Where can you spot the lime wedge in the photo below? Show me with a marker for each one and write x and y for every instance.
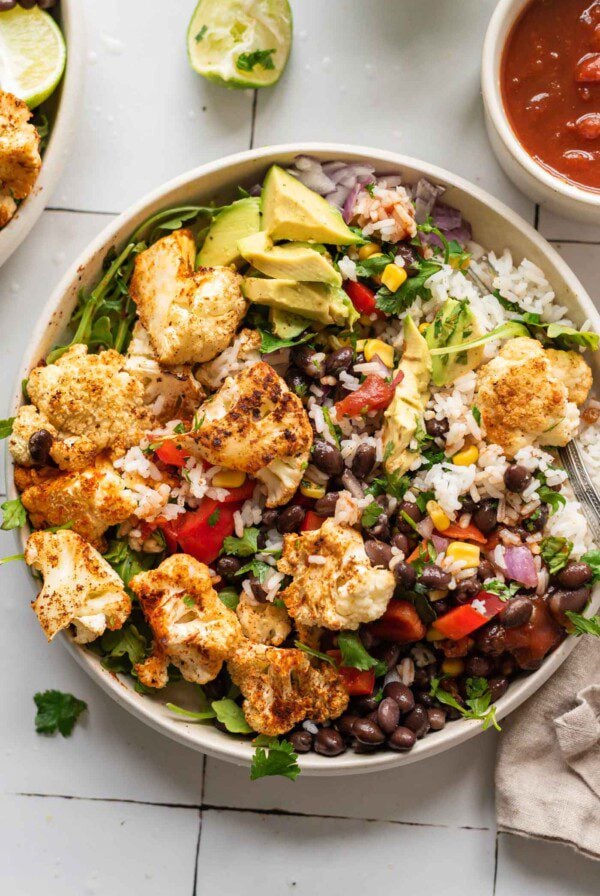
(240, 43)
(32, 54)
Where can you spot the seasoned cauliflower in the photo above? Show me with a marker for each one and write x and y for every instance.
(192, 628)
(255, 424)
(263, 623)
(573, 372)
(91, 402)
(171, 394)
(20, 159)
(80, 587)
(281, 688)
(523, 399)
(91, 500)
(190, 315)
(8, 207)
(341, 593)
(27, 422)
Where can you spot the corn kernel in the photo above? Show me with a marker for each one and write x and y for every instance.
(312, 490)
(466, 457)
(453, 667)
(368, 251)
(360, 344)
(468, 554)
(457, 264)
(393, 277)
(423, 328)
(228, 479)
(378, 347)
(437, 594)
(432, 634)
(437, 516)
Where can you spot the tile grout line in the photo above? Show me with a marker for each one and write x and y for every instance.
(200, 825)
(495, 880)
(80, 211)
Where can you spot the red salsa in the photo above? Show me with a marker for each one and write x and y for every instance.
(550, 81)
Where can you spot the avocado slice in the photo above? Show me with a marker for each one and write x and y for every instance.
(286, 324)
(290, 211)
(453, 324)
(293, 261)
(404, 415)
(315, 301)
(238, 220)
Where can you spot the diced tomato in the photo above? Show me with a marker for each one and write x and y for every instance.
(374, 394)
(362, 298)
(588, 70)
(202, 532)
(240, 494)
(312, 521)
(400, 623)
(358, 682)
(530, 643)
(171, 453)
(466, 533)
(463, 620)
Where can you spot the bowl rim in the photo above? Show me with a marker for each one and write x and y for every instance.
(207, 739)
(72, 24)
(503, 18)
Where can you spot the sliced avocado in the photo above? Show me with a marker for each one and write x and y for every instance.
(238, 220)
(287, 325)
(316, 301)
(293, 261)
(290, 211)
(404, 415)
(453, 324)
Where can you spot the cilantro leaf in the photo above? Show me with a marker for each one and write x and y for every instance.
(244, 546)
(477, 701)
(549, 496)
(373, 266)
(246, 62)
(57, 711)
(127, 562)
(504, 591)
(271, 343)
(411, 289)
(123, 648)
(592, 558)
(213, 518)
(316, 653)
(354, 654)
(584, 625)
(555, 552)
(6, 427)
(371, 514)
(257, 568)
(15, 515)
(274, 757)
(429, 227)
(335, 430)
(393, 484)
(423, 499)
(229, 597)
(476, 414)
(231, 715)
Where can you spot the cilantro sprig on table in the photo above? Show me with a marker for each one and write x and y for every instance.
(274, 756)
(57, 711)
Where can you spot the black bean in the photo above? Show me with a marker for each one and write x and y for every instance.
(329, 742)
(561, 601)
(424, 698)
(301, 741)
(7, 4)
(378, 552)
(228, 566)
(363, 461)
(328, 458)
(418, 721)
(517, 478)
(516, 612)
(441, 607)
(325, 506)
(366, 705)
(388, 715)
(486, 516)
(351, 483)
(410, 509)
(436, 428)
(402, 739)
(269, 518)
(27, 4)
(575, 574)
(408, 254)
(478, 666)
(424, 676)
(40, 443)
(369, 640)
(485, 570)
(341, 359)
(507, 665)
(381, 528)
(437, 718)
(390, 654)
(400, 541)
(303, 356)
(291, 519)
(297, 381)
(491, 639)
(498, 687)
(538, 519)
(368, 732)
(402, 694)
(405, 575)
(434, 577)
(345, 724)
(468, 589)
(257, 589)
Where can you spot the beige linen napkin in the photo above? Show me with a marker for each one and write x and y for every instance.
(548, 763)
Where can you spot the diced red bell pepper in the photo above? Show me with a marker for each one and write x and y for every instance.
(312, 521)
(463, 620)
(588, 70)
(530, 643)
(171, 453)
(202, 532)
(466, 533)
(240, 494)
(358, 682)
(400, 623)
(375, 394)
(362, 298)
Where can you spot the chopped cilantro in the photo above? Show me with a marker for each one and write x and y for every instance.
(57, 711)
(371, 514)
(271, 343)
(555, 552)
(370, 187)
(373, 266)
(592, 558)
(123, 648)
(229, 597)
(423, 499)
(476, 414)
(393, 484)
(128, 563)
(188, 600)
(504, 592)
(201, 34)
(396, 302)
(245, 546)
(335, 431)
(477, 701)
(584, 625)
(6, 427)
(274, 757)
(213, 519)
(354, 654)
(15, 515)
(409, 521)
(549, 496)
(246, 62)
(257, 568)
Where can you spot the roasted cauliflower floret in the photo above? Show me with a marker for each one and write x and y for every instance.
(281, 688)
(27, 422)
(263, 623)
(573, 372)
(80, 587)
(192, 628)
(523, 399)
(91, 500)
(190, 315)
(91, 402)
(8, 207)
(255, 424)
(20, 160)
(341, 593)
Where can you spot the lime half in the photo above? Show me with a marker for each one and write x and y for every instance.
(240, 43)
(32, 54)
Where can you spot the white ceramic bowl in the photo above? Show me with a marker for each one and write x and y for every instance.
(494, 225)
(63, 111)
(535, 181)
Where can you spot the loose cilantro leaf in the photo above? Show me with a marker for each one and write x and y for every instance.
(549, 496)
(392, 484)
(274, 757)
(257, 568)
(388, 451)
(373, 266)
(411, 289)
(584, 625)
(246, 62)
(231, 715)
(431, 456)
(123, 648)
(271, 343)
(593, 559)
(504, 591)
(6, 427)
(198, 37)
(15, 515)
(555, 553)
(244, 546)
(213, 518)
(316, 653)
(476, 414)
(354, 654)
(421, 435)
(477, 702)
(371, 514)
(229, 597)
(128, 563)
(57, 711)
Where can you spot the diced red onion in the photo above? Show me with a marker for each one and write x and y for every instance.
(389, 181)
(310, 172)
(446, 217)
(349, 203)
(520, 566)
(425, 195)
(440, 543)
(391, 676)
(425, 527)
(256, 190)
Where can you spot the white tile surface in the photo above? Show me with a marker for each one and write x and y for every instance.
(338, 857)
(555, 228)
(80, 848)
(543, 869)
(585, 261)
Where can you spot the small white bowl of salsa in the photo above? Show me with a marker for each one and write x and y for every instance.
(541, 92)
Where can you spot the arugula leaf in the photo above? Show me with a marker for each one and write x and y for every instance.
(477, 702)
(371, 514)
(316, 653)
(231, 715)
(274, 757)
(584, 625)
(229, 597)
(6, 427)
(549, 496)
(190, 714)
(354, 654)
(555, 552)
(12, 557)
(411, 289)
(271, 343)
(504, 592)
(57, 711)
(568, 337)
(257, 568)
(592, 558)
(15, 514)
(246, 62)
(244, 546)
(127, 562)
(123, 648)
(508, 330)
(373, 266)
